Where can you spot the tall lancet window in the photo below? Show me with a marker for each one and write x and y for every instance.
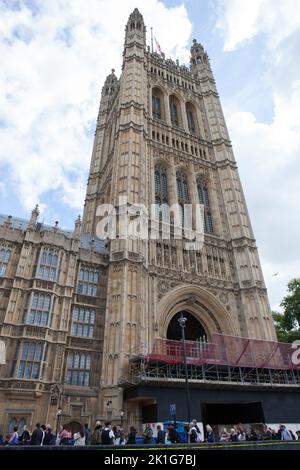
(204, 199)
(48, 265)
(4, 260)
(191, 118)
(161, 192)
(157, 104)
(175, 111)
(39, 311)
(182, 193)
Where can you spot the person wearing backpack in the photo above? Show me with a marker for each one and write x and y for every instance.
(96, 438)
(147, 434)
(107, 435)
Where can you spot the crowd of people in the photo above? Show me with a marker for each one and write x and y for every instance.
(238, 433)
(115, 435)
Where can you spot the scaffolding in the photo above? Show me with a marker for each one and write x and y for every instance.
(225, 360)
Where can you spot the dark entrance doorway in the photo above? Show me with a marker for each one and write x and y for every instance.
(194, 331)
(233, 413)
(74, 426)
(149, 413)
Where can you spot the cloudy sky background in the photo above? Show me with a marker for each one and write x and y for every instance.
(55, 55)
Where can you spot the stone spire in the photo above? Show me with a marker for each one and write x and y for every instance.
(198, 54)
(200, 64)
(136, 16)
(77, 229)
(34, 216)
(135, 30)
(110, 84)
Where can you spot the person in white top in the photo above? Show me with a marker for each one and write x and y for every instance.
(79, 438)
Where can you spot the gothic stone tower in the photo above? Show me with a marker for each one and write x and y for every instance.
(161, 137)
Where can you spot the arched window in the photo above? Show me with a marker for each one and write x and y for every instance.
(48, 266)
(182, 193)
(40, 309)
(175, 111)
(30, 360)
(204, 199)
(4, 260)
(83, 321)
(161, 192)
(88, 280)
(191, 118)
(78, 371)
(182, 187)
(157, 104)
(21, 425)
(11, 425)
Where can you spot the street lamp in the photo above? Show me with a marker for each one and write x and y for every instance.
(122, 417)
(108, 413)
(58, 415)
(182, 321)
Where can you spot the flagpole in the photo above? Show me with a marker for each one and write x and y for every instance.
(151, 39)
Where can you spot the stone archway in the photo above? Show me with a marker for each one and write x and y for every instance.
(199, 302)
(74, 426)
(194, 330)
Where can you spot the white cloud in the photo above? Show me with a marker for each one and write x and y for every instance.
(241, 20)
(268, 152)
(53, 64)
(268, 158)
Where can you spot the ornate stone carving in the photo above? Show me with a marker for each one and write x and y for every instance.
(163, 287)
(191, 300)
(56, 390)
(223, 297)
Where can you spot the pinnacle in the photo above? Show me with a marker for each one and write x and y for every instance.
(136, 13)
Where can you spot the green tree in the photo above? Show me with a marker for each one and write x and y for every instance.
(287, 324)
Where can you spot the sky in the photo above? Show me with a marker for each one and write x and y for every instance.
(55, 55)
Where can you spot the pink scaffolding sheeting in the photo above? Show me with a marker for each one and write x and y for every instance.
(227, 350)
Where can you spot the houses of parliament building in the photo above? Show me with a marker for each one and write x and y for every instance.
(77, 313)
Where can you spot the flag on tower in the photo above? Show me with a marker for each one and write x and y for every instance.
(158, 46)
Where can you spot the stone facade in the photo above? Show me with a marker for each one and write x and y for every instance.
(40, 288)
(160, 137)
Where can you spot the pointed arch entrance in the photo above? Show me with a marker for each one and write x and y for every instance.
(199, 303)
(194, 330)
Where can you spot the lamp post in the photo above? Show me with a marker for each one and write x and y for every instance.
(108, 412)
(122, 417)
(182, 321)
(58, 415)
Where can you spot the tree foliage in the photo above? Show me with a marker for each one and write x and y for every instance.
(287, 324)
